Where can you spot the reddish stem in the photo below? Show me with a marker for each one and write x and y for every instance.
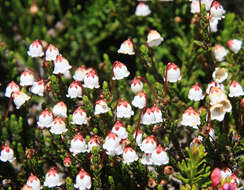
(104, 154)
(142, 78)
(139, 121)
(165, 82)
(137, 54)
(36, 75)
(9, 103)
(240, 120)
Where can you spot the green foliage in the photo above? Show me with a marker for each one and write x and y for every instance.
(194, 170)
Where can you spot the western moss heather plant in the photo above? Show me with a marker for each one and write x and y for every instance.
(187, 142)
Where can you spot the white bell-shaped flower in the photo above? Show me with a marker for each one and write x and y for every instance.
(6, 154)
(127, 47)
(79, 117)
(34, 182)
(195, 93)
(95, 141)
(142, 9)
(91, 79)
(12, 87)
(51, 53)
(124, 109)
(35, 49)
(140, 100)
(38, 88)
(60, 109)
(80, 73)
(20, 98)
(78, 144)
(120, 71)
(58, 126)
(213, 24)
(235, 89)
(61, 65)
(149, 144)
(111, 142)
(191, 118)
(120, 130)
(45, 119)
(74, 90)
(220, 52)
(216, 95)
(26, 78)
(217, 10)
(154, 38)
(214, 84)
(136, 86)
(220, 74)
(83, 180)
(173, 72)
(146, 159)
(234, 45)
(101, 107)
(148, 118)
(159, 156)
(129, 155)
(157, 114)
(53, 178)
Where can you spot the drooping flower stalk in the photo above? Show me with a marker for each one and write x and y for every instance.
(137, 54)
(142, 78)
(165, 85)
(139, 119)
(36, 75)
(9, 104)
